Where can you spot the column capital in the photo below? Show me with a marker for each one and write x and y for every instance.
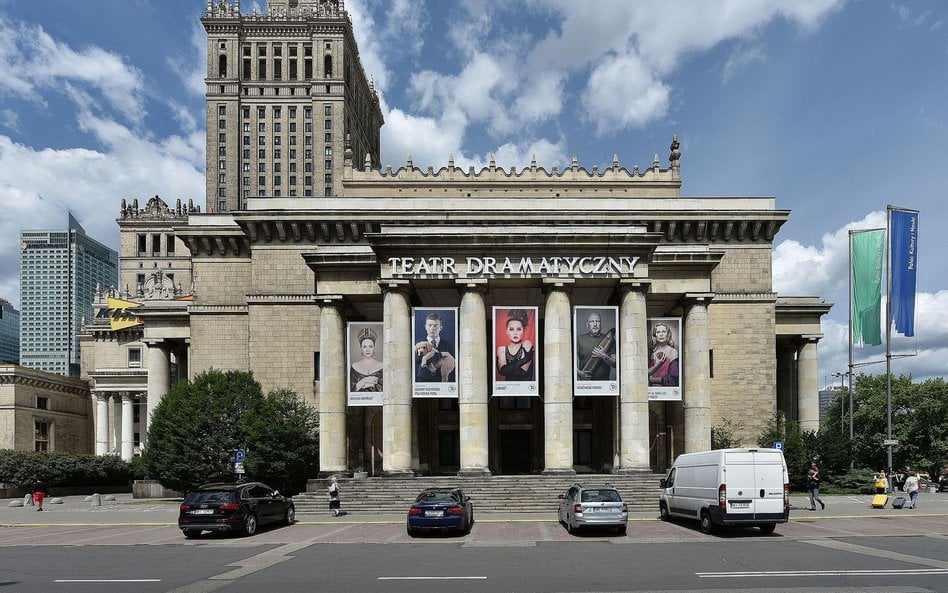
(634, 285)
(332, 300)
(697, 298)
(558, 284)
(395, 285)
(478, 285)
(808, 339)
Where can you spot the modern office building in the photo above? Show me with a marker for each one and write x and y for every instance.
(60, 271)
(9, 333)
(443, 321)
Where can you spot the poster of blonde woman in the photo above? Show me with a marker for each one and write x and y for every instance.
(516, 352)
(365, 366)
(664, 359)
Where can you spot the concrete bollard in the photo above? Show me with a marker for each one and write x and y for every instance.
(28, 500)
(96, 500)
(16, 502)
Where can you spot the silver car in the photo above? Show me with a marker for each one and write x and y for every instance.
(593, 505)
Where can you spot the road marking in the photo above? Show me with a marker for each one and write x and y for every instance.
(821, 573)
(432, 578)
(887, 554)
(107, 581)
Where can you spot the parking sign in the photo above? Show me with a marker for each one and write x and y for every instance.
(778, 445)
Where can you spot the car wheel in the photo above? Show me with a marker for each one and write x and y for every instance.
(767, 528)
(569, 527)
(705, 524)
(290, 517)
(622, 529)
(411, 532)
(250, 524)
(191, 533)
(663, 512)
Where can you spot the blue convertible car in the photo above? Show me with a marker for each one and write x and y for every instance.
(441, 509)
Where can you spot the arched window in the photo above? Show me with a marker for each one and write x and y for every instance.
(327, 66)
(222, 66)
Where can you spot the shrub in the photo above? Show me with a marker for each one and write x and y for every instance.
(21, 468)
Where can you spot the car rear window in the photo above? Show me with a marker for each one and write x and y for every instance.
(210, 497)
(600, 496)
(437, 497)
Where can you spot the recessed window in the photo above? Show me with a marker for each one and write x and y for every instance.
(134, 357)
(42, 403)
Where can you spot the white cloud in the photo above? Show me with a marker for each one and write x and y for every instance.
(622, 92)
(742, 58)
(32, 62)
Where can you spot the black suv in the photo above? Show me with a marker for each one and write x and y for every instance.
(233, 507)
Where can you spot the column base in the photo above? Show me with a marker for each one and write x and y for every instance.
(398, 473)
(342, 473)
(626, 471)
(559, 471)
(474, 472)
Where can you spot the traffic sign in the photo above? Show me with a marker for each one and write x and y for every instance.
(778, 445)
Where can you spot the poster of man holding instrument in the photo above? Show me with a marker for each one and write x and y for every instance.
(596, 345)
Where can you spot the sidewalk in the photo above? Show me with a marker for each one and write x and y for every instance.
(125, 510)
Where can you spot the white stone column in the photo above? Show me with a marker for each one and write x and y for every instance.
(396, 406)
(633, 369)
(557, 367)
(128, 415)
(101, 424)
(332, 387)
(159, 381)
(808, 388)
(696, 402)
(472, 379)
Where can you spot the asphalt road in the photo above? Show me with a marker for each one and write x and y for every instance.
(135, 546)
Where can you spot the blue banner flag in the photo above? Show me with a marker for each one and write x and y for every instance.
(904, 254)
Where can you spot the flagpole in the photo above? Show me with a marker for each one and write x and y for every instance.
(888, 337)
(850, 369)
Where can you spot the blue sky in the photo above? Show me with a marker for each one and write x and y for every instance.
(835, 107)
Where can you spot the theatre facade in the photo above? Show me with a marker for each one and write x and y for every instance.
(457, 321)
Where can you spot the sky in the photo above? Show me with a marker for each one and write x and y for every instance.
(836, 108)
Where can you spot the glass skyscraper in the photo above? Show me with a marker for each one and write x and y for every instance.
(9, 333)
(59, 272)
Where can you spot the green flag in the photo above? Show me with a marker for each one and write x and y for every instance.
(868, 254)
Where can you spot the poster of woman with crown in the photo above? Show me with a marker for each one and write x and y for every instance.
(365, 363)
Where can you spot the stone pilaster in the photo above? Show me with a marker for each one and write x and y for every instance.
(128, 416)
(101, 424)
(808, 389)
(557, 378)
(472, 379)
(396, 406)
(633, 369)
(697, 381)
(332, 387)
(159, 381)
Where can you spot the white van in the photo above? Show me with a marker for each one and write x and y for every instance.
(728, 487)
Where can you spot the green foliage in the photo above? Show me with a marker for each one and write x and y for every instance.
(800, 448)
(197, 426)
(724, 436)
(919, 423)
(21, 468)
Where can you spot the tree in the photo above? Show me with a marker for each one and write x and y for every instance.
(800, 448)
(725, 435)
(197, 426)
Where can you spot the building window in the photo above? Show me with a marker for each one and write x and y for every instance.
(261, 154)
(292, 112)
(222, 110)
(327, 109)
(42, 403)
(328, 124)
(261, 167)
(169, 244)
(156, 244)
(221, 192)
(307, 113)
(246, 166)
(221, 151)
(222, 178)
(277, 180)
(328, 178)
(327, 192)
(142, 248)
(277, 153)
(134, 357)
(222, 137)
(261, 180)
(41, 435)
(262, 127)
(277, 167)
(222, 165)
(262, 140)
(328, 164)
(328, 137)
(247, 115)
(261, 112)
(246, 153)
(222, 124)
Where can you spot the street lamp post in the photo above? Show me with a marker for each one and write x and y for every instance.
(842, 402)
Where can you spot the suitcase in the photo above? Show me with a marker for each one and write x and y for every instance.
(879, 501)
(898, 502)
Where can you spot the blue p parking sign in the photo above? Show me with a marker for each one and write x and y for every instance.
(778, 445)
(240, 455)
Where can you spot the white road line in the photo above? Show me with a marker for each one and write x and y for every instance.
(107, 581)
(432, 578)
(820, 573)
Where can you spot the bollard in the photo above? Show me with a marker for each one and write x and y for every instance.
(28, 500)
(96, 500)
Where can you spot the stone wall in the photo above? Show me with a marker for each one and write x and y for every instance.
(283, 339)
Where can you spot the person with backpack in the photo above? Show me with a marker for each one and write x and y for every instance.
(813, 484)
(39, 492)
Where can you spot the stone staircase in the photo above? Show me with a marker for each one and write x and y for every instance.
(514, 494)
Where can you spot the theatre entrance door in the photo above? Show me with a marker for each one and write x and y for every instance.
(516, 451)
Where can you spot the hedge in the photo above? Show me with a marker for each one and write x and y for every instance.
(21, 468)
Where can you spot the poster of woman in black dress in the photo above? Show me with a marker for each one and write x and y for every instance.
(365, 364)
(516, 352)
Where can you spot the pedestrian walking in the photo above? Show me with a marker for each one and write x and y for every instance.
(813, 484)
(334, 503)
(882, 483)
(911, 486)
(38, 492)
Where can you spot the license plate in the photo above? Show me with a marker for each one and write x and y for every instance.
(202, 512)
(602, 510)
(434, 513)
(740, 505)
